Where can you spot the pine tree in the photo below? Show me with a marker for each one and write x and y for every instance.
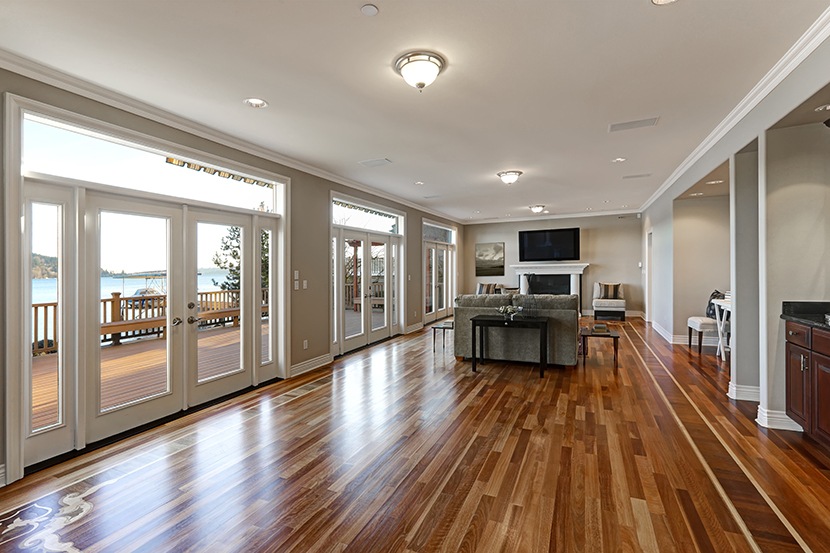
(229, 257)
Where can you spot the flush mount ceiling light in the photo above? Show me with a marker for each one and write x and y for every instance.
(419, 69)
(537, 208)
(509, 177)
(618, 160)
(255, 103)
(662, 2)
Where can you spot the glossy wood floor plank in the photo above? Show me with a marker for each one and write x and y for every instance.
(402, 448)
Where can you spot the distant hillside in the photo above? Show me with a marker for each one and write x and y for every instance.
(46, 266)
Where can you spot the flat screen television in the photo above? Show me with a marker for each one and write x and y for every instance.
(561, 244)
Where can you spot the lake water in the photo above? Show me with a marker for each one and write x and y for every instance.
(45, 290)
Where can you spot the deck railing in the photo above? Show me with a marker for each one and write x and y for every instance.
(376, 295)
(138, 316)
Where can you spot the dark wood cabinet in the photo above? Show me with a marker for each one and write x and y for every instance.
(808, 379)
(821, 390)
(798, 385)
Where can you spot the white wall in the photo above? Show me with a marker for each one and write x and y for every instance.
(658, 220)
(610, 244)
(701, 257)
(797, 236)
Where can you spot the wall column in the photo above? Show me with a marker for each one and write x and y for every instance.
(744, 265)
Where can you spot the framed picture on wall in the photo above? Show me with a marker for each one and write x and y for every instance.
(490, 259)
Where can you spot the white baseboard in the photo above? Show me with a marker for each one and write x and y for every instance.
(311, 364)
(665, 334)
(744, 393)
(414, 328)
(777, 420)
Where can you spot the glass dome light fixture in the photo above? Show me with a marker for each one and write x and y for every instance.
(419, 69)
(537, 208)
(509, 177)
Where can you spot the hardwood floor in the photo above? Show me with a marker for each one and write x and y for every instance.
(402, 448)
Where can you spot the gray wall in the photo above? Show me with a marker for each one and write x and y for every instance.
(610, 244)
(797, 234)
(701, 256)
(657, 221)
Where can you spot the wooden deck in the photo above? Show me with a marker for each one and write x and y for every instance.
(399, 448)
(135, 369)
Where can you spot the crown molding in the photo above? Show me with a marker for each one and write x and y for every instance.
(51, 76)
(579, 215)
(818, 32)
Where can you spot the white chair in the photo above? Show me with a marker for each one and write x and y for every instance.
(608, 307)
(701, 324)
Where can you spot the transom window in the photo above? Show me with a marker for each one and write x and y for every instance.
(354, 215)
(63, 150)
(435, 233)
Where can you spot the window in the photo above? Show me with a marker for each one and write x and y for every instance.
(63, 150)
(350, 214)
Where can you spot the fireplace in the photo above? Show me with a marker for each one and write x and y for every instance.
(568, 278)
(548, 284)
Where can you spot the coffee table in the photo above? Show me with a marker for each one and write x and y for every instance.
(585, 333)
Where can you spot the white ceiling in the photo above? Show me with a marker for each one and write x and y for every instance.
(530, 85)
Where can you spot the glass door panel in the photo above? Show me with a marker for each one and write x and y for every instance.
(264, 298)
(429, 280)
(377, 288)
(46, 393)
(353, 305)
(440, 281)
(219, 300)
(133, 300)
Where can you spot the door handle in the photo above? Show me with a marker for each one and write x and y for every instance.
(176, 321)
(191, 319)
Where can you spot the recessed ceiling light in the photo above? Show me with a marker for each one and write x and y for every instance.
(825, 107)
(369, 10)
(419, 183)
(605, 201)
(537, 208)
(477, 211)
(694, 194)
(625, 205)
(662, 2)
(719, 181)
(589, 209)
(546, 211)
(255, 103)
(618, 160)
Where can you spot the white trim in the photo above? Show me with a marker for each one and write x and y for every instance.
(2, 475)
(13, 339)
(582, 215)
(414, 328)
(777, 420)
(665, 334)
(311, 364)
(36, 71)
(743, 393)
(818, 32)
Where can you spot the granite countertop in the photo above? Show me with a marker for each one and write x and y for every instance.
(810, 313)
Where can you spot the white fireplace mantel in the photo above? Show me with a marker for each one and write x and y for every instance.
(573, 269)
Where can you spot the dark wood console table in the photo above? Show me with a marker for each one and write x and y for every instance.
(485, 321)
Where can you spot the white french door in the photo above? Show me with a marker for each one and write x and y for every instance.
(365, 293)
(218, 322)
(137, 309)
(50, 371)
(134, 337)
(439, 261)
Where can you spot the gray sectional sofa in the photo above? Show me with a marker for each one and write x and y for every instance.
(521, 344)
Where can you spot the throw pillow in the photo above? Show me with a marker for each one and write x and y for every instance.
(710, 307)
(486, 288)
(609, 291)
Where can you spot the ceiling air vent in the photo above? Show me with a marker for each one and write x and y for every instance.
(628, 125)
(638, 176)
(374, 162)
